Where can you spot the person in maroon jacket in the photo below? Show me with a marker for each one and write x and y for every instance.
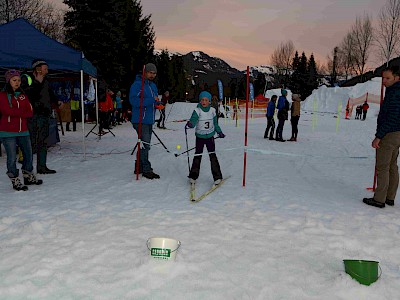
(365, 110)
(15, 109)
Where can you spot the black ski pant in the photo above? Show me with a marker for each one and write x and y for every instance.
(161, 120)
(364, 114)
(279, 130)
(215, 168)
(270, 126)
(295, 123)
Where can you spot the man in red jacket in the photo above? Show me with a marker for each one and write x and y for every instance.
(365, 109)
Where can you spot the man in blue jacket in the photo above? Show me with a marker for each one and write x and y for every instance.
(387, 141)
(150, 100)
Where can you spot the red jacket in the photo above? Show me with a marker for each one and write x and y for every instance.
(365, 107)
(14, 118)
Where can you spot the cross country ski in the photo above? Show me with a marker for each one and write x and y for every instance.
(205, 194)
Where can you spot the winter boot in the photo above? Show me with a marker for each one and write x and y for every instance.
(218, 181)
(17, 184)
(150, 175)
(30, 178)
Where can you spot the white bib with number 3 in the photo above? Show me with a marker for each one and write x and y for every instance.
(205, 124)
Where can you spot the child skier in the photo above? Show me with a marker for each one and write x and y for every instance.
(204, 118)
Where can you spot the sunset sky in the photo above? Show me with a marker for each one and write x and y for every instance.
(246, 32)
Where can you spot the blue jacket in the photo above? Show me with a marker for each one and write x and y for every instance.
(150, 92)
(281, 102)
(389, 114)
(270, 109)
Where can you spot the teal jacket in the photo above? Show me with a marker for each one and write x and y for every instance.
(205, 121)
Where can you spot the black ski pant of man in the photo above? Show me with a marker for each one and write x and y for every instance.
(215, 168)
(74, 119)
(279, 130)
(39, 131)
(295, 124)
(364, 115)
(270, 126)
(161, 120)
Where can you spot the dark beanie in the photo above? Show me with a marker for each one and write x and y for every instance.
(150, 68)
(38, 63)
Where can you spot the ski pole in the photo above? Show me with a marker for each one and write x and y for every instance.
(187, 148)
(169, 112)
(177, 154)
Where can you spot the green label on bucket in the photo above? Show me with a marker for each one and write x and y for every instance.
(160, 252)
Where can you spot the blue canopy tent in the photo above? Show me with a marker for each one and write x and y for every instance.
(21, 43)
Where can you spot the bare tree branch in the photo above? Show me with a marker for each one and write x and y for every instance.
(387, 35)
(361, 36)
(282, 57)
(41, 14)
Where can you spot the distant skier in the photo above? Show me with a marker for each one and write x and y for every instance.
(204, 118)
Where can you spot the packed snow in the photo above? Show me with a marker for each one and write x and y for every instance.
(284, 235)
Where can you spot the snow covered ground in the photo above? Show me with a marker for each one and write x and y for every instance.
(83, 233)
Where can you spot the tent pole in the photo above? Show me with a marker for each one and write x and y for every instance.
(96, 103)
(83, 118)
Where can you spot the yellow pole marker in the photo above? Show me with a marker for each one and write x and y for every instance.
(338, 115)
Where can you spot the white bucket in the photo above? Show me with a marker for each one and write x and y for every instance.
(163, 248)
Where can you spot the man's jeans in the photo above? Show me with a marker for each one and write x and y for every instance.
(10, 144)
(147, 129)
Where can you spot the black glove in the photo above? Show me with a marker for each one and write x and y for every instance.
(221, 135)
(189, 125)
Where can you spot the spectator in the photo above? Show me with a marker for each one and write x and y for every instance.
(295, 116)
(75, 104)
(146, 118)
(42, 98)
(365, 107)
(161, 120)
(15, 110)
(118, 108)
(283, 114)
(387, 141)
(270, 118)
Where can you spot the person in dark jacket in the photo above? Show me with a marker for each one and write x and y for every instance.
(270, 118)
(15, 109)
(164, 100)
(387, 141)
(283, 114)
(42, 98)
(150, 101)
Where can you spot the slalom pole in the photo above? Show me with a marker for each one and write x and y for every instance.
(338, 116)
(229, 103)
(375, 172)
(140, 126)
(245, 127)
(314, 119)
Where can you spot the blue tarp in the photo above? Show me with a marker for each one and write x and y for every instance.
(21, 43)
